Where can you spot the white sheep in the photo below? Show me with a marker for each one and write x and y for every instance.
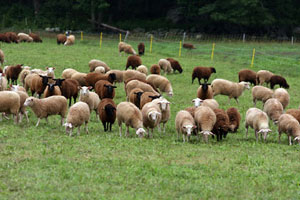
(24, 73)
(274, 109)
(70, 40)
(138, 84)
(79, 113)
(39, 72)
(127, 48)
(165, 65)
(205, 119)
(23, 96)
(1, 57)
(119, 75)
(91, 98)
(67, 73)
(197, 102)
(3, 82)
(151, 117)
(161, 82)
(283, 96)
(17, 88)
(229, 88)
(259, 121)
(96, 63)
(80, 77)
(10, 103)
(100, 70)
(165, 110)
(261, 93)
(23, 37)
(143, 69)
(263, 76)
(212, 103)
(289, 125)
(133, 74)
(185, 124)
(42, 108)
(129, 114)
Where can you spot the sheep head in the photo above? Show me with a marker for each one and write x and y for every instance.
(206, 134)
(140, 132)
(188, 129)
(264, 132)
(297, 139)
(110, 88)
(59, 82)
(112, 77)
(51, 87)
(197, 102)
(14, 87)
(163, 104)
(246, 85)
(69, 127)
(213, 70)
(84, 90)
(29, 101)
(154, 115)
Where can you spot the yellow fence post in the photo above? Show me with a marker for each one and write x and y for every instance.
(81, 36)
(100, 40)
(120, 37)
(212, 52)
(151, 39)
(179, 54)
(253, 55)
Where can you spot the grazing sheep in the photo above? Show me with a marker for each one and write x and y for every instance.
(188, 46)
(38, 84)
(283, 96)
(185, 124)
(151, 117)
(50, 72)
(205, 119)
(17, 88)
(234, 119)
(143, 69)
(138, 84)
(129, 114)
(248, 75)
(67, 73)
(69, 88)
(263, 76)
(10, 103)
(61, 38)
(12, 36)
(165, 65)
(91, 98)
(259, 121)
(42, 108)
(28, 81)
(23, 96)
(13, 72)
(96, 63)
(191, 110)
(161, 82)
(147, 97)
(205, 91)
(202, 72)
(135, 96)
(23, 74)
(221, 126)
(141, 48)
(164, 106)
(276, 79)
(78, 114)
(70, 40)
(92, 78)
(39, 72)
(155, 69)
(35, 37)
(107, 112)
(133, 74)
(51, 90)
(261, 93)
(126, 48)
(3, 38)
(228, 88)
(119, 74)
(175, 65)
(212, 103)
(100, 70)
(3, 82)
(289, 125)
(23, 37)
(1, 57)
(274, 109)
(295, 113)
(105, 89)
(133, 62)
(80, 78)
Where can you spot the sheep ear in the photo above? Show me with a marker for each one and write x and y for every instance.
(297, 138)
(90, 87)
(53, 68)
(114, 86)
(47, 67)
(194, 127)
(79, 87)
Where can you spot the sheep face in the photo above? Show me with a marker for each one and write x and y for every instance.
(246, 85)
(197, 102)
(188, 129)
(69, 127)
(297, 139)
(84, 91)
(58, 81)
(13, 87)
(45, 79)
(153, 115)
(50, 70)
(206, 134)
(29, 101)
(164, 104)
(264, 132)
(110, 88)
(170, 94)
(213, 70)
(140, 132)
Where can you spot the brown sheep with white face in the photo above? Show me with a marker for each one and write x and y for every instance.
(248, 75)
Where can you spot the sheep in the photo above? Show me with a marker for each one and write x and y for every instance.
(100, 70)
(107, 112)
(133, 74)
(23, 37)
(80, 77)
(38, 84)
(129, 114)
(185, 124)
(23, 74)
(70, 40)
(135, 96)
(10, 103)
(197, 102)
(133, 62)
(165, 65)
(35, 37)
(138, 84)
(51, 90)
(151, 117)
(263, 76)
(188, 46)
(155, 69)
(3, 38)
(202, 72)
(105, 89)
(69, 88)
(67, 73)
(205, 119)
(1, 57)
(205, 91)
(248, 75)
(17, 88)
(78, 114)
(93, 77)
(91, 98)
(119, 74)
(143, 69)
(283, 96)
(276, 79)
(164, 106)
(96, 63)
(161, 82)
(274, 109)
(126, 48)
(61, 38)
(141, 48)
(39, 72)
(50, 72)
(259, 121)
(228, 88)
(13, 72)
(12, 37)
(148, 97)
(261, 93)
(212, 103)
(175, 65)
(191, 110)
(289, 125)
(234, 119)
(42, 108)
(222, 124)
(295, 113)
(23, 96)
(3, 82)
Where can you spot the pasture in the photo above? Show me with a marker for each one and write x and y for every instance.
(44, 163)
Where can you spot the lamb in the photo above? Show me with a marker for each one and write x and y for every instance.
(165, 65)
(185, 124)
(205, 119)
(148, 97)
(188, 46)
(274, 109)
(80, 78)
(93, 77)
(263, 76)
(155, 69)
(119, 74)
(1, 57)
(3, 82)
(70, 40)
(126, 48)
(135, 96)
(161, 82)
(234, 119)
(50, 72)
(202, 72)
(100, 70)
(96, 63)
(295, 113)
(133, 62)
(23, 37)
(222, 124)
(35, 37)
(276, 79)
(248, 75)
(205, 91)
(133, 74)
(23, 96)
(151, 116)
(228, 88)
(143, 69)
(78, 114)
(69, 88)
(141, 48)
(10, 103)
(283, 96)
(61, 38)
(42, 108)
(13, 72)
(107, 112)
(51, 90)
(23, 74)
(91, 98)
(138, 84)
(67, 73)
(261, 93)
(12, 36)
(164, 106)
(175, 65)
(259, 121)
(129, 114)
(38, 84)
(105, 89)
(289, 125)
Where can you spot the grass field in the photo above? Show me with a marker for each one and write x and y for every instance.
(44, 163)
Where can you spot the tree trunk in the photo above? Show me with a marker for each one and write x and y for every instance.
(93, 14)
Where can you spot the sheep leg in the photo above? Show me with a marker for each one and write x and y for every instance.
(127, 131)
(16, 118)
(188, 138)
(237, 101)
(110, 127)
(246, 130)
(183, 137)
(290, 140)
(61, 121)
(70, 102)
(78, 131)
(38, 122)
(104, 125)
(86, 127)
(164, 127)
(228, 100)
(199, 81)
(279, 135)
(26, 115)
(256, 135)
(178, 135)
(254, 102)
(70, 135)
(120, 130)
(158, 127)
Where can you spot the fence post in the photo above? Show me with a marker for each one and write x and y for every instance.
(292, 40)
(151, 39)
(244, 37)
(100, 40)
(179, 54)
(183, 37)
(127, 33)
(81, 35)
(253, 55)
(120, 37)
(212, 52)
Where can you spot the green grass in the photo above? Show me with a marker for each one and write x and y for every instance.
(44, 163)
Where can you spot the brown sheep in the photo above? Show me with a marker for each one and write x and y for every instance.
(38, 84)
(202, 72)
(138, 84)
(155, 69)
(141, 80)
(147, 97)
(69, 88)
(3, 38)
(248, 75)
(133, 62)
(135, 96)
(105, 89)
(1, 58)
(92, 78)
(175, 65)
(12, 37)
(13, 72)
(51, 90)
(61, 38)
(35, 37)
(141, 48)
(276, 79)
(188, 46)
(80, 78)
(205, 91)
(107, 112)
(295, 113)
(234, 119)
(221, 126)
